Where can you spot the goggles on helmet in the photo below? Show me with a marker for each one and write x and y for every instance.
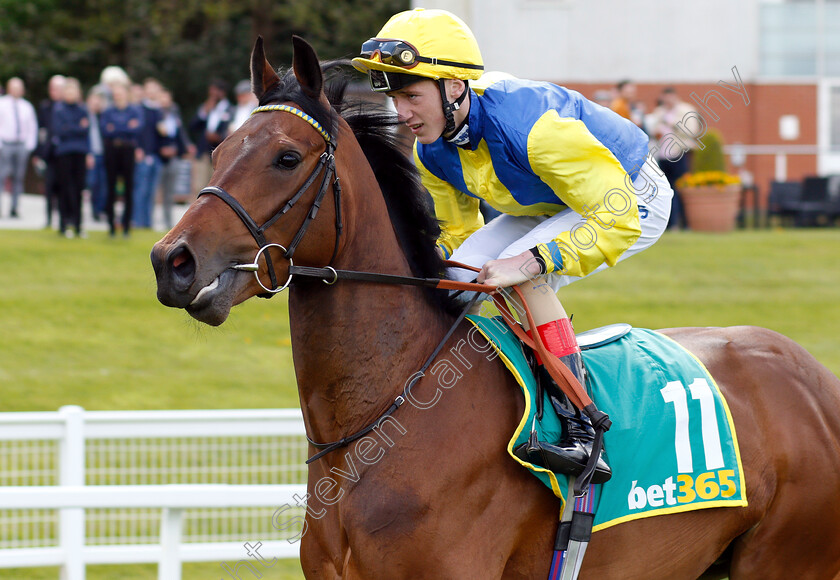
(401, 54)
(393, 52)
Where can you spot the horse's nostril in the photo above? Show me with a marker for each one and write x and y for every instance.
(183, 264)
(179, 260)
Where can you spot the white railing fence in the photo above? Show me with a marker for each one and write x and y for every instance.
(117, 487)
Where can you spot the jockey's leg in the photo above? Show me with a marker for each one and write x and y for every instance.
(555, 330)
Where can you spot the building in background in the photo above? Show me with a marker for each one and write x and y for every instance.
(787, 54)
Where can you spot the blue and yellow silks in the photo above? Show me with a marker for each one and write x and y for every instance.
(672, 446)
(535, 149)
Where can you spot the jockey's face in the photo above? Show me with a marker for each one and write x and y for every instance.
(419, 106)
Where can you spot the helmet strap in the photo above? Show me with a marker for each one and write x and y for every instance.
(450, 108)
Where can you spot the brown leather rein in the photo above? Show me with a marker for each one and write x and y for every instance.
(561, 374)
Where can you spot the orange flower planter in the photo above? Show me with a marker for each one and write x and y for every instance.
(711, 208)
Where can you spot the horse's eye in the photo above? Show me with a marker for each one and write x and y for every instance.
(288, 160)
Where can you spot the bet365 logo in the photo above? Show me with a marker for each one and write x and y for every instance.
(715, 482)
(709, 485)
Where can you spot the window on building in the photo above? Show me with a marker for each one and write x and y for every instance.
(790, 39)
(832, 39)
(834, 118)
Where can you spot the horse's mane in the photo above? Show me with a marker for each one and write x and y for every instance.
(409, 205)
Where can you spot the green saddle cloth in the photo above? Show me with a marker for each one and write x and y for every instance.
(672, 445)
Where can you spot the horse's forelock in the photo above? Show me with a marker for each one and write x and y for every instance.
(289, 90)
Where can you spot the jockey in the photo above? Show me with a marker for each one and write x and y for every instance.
(576, 187)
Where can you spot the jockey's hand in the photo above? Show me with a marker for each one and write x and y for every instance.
(509, 271)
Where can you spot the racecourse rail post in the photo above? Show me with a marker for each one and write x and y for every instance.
(71, 528)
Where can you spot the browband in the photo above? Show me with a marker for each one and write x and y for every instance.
(298, 113)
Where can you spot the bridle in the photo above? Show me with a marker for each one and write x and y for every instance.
(327, 163)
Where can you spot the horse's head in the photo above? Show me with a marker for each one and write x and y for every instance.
(267, 176)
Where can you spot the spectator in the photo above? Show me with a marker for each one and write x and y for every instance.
(121, 126)
(71, 128)
(97, 181)
(44, 156)
(18, 138)
(209, 127)
(625, 92)
(674, 161)
(109, 78)
(246, 102)
(174, 147)
(136, 94)
(625, 103)
(147, 172)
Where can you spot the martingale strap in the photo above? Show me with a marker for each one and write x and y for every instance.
(564, 377)
(398, 402)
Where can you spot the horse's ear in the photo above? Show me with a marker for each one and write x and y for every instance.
(307, 67)
(263, 77)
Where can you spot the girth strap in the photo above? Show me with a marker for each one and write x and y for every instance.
(573, 534)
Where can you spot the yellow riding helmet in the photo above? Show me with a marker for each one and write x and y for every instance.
(434, 44)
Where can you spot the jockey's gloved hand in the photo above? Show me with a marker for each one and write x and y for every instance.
(511, 271)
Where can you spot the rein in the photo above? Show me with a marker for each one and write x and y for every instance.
(561, 374)
(329, 275)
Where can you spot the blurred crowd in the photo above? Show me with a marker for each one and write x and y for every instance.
(121, 147)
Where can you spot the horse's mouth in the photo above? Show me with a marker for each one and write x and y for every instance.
(212, 303)
(206, 293)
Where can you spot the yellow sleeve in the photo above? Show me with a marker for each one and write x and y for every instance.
(457, 212)
(589, 179)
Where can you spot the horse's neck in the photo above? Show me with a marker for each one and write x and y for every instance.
(355, 344)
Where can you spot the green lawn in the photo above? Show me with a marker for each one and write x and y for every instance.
(281, 570)
(785, 280)
(80, 324)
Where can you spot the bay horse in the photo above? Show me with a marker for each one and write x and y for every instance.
(434, 494)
